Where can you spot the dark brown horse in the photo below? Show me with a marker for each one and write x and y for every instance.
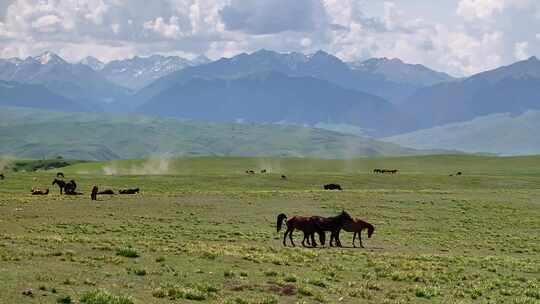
(356, 226)
(307, 225)
(67, 188)
(93, 195)
(333, 224)
(129, 191)
(2, 177)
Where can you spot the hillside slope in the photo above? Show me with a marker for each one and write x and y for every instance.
(103, 137)
(498, 133)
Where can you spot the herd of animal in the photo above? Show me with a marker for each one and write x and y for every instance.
(310, 225)
(69, 188)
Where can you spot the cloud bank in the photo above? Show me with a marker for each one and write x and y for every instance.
(476, 35)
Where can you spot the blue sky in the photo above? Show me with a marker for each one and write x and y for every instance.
(460, 37)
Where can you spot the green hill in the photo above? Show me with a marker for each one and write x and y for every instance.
(503, 134)
(38, 134)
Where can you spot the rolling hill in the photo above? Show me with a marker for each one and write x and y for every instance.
(103, 137)
(505, 134)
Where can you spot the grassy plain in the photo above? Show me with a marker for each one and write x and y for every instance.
(204, 231)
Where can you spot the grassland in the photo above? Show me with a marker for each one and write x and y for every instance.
(204, 231)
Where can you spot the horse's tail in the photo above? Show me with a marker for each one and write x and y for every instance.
(280, 218)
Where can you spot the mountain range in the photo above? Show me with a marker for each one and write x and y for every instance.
(380, 97)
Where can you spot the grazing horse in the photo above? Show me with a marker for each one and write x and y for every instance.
(459, 173)
(250, 172)
(263, 171)
(377, 171)
(332, 187)
(129, 191)
(356, 226)
(333, 224)
(37, 191)
(107, 191)
(67, 188)
(93, 195)
(283, 177)
(2, 177)
(60, 175)
(61, 184)
(305, 224)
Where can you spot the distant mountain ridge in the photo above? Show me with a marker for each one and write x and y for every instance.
(319, 65)
(270, 97)
(35, 96)
(514, 89)
(397, 71)
(138, 72)
(77, 82)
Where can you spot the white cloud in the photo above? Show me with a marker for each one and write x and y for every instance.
(521, 50)
(111, 29)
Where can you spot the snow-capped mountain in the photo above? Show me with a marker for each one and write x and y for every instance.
(77, 82)
(93, 63)
(138, 72)
(398, 71)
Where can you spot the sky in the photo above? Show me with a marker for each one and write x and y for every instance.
(460, 37)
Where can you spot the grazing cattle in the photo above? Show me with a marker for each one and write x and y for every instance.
(60, 175)
(263, 171)
(37, 191)
(307, 225)
(108, 191)
(356, 226)
(93, 195)
(332, 187)
(129, 191)
(283, 177)
(2, 177)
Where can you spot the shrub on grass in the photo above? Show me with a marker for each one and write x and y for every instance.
(103, 297)
(127, 252)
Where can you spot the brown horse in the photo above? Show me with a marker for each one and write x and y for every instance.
(333, 224)
(305, 224)
(356, 226)
(37, 191)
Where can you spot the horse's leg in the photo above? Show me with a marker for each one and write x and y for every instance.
(290, 237)
(285, 237)
(360, 238)
(313, 242)
(332, 236)
(306, 237)
(353, 239)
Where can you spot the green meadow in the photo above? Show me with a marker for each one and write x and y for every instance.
(204, 231)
